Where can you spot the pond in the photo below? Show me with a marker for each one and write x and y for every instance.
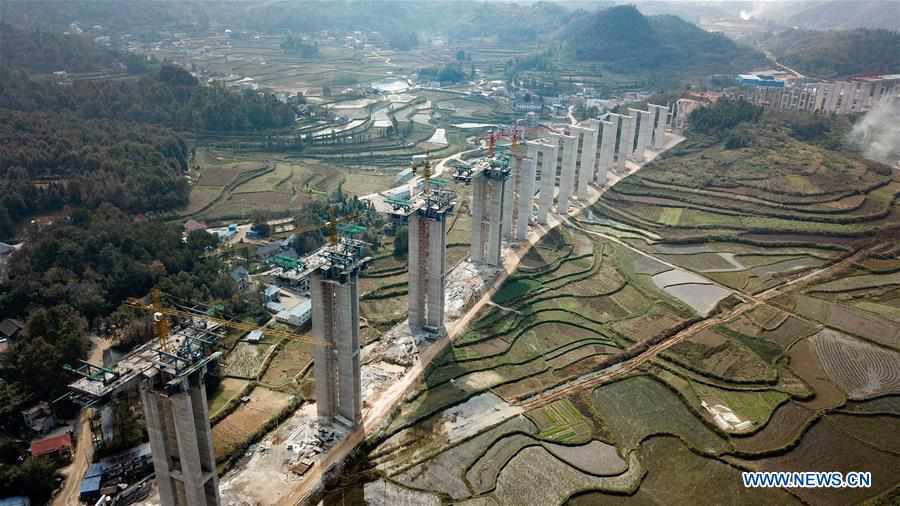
(391, 85)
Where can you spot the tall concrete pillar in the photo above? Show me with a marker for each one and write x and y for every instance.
(108, 423)
(335, 322)
(644, 132)
(177, 421)
(526, 196)
(350, 401)
(849, 97)
(674, 117)
(437, 273)
(508, 208)
(417, 269)
(546, 155)
(587, 136)
(866, 96)
(427, 269)
(833, 91)
(626, 139)
(488, 209)
(479, 228)
(566, 172)
(323, 356)
(658, 117)
(607, 151)
(163, 443)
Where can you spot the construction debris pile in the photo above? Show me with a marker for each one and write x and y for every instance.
(282, 457)
(465, 284)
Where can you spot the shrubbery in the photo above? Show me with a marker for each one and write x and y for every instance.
(300, 47)
(450, 73)
(721, 118)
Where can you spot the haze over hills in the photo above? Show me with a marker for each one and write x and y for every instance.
(624, 36)
(847, 14)
(833, 54)
(51, 51)
(807, 14)
(718, 261)
(464, 18)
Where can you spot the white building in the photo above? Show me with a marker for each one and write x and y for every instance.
(298, 315)
(857, 94)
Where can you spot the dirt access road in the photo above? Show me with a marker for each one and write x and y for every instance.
(629, 365)
(375, 416)
(84, 449)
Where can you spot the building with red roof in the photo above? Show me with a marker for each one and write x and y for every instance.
(55, 446)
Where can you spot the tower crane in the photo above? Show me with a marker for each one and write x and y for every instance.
(335, 227)
(516, 136)
(161, 312)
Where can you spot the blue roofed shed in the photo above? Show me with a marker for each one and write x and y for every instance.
(15, 501)
(90, 488)
(96, 469)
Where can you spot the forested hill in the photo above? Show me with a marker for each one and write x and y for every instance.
(629, 41)
(169, 97)
(48, 161)
(162, 94)
(848, 15)
(97, 141)
(44, 52)
(833, 54)
(462, 19)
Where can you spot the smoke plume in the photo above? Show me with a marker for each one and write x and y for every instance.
(877, 134)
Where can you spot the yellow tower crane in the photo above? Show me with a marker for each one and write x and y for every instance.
(160, 313)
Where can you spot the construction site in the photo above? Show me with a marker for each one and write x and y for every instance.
(522, 182)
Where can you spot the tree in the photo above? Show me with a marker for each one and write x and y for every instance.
(7, 229)
(201, 241)
(135, 333)
(308, 242)
(403, 41)
(301, 47)
(35, 478)
(721, 118)
(401, 242)
(261, 224)
(34, 362)
(262, 229)
(176, 76)
(450, 73)
(62, 327)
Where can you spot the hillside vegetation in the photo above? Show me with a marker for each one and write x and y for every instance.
(832, 54)
(136, 167)
(170, 97)
(509, 23)
(45, 52)
(783, 178)
(847, 15)
(796, 362)
(627, 40)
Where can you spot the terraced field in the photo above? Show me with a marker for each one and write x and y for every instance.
(719, 311)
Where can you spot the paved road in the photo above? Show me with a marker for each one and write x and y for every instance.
(785, 67)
